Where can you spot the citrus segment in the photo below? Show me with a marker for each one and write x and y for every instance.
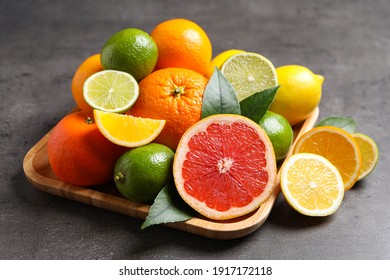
(127, 131)
(249, 73)
(111, 91)
(224, 166)
(336, 145)
(311, 184)
(369, 151)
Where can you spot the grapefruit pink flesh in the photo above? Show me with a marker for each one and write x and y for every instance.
(225, 166)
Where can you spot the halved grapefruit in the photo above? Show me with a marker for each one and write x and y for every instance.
(224, 166)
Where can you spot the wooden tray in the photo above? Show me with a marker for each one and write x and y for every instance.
(37, 169)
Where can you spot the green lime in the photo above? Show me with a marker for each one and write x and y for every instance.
(141, 173)
(279, 132)
(249, 73)
(130, 50)
(111, 91)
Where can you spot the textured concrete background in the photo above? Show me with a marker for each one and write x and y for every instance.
(43, 42)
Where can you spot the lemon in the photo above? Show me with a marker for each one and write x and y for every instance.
(249, 73)
(369, 151)
(130, 50)
(311, 184)
(126, 130)
(221, 58)
(111, 91)
(141, 173)
(299, 93)
(279, 132)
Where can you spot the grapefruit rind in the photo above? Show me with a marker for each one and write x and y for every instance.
(200, 206)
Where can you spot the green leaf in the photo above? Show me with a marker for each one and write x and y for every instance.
(219, 97)
(255, 106)
(168, 207)
(348, 124)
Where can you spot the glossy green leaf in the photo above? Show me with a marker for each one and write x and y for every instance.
(219, 97)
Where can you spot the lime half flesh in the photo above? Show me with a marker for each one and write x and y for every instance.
(111, 91)
(249, 73)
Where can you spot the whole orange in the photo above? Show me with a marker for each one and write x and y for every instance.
(89, 66)
(182, 43)
(79, 154)
(174, 95)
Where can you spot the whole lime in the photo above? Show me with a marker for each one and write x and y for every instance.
(142, 172)
(279, 132)
(130, 50)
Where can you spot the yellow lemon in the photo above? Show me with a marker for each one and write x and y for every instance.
(220, 59)
(299, 93)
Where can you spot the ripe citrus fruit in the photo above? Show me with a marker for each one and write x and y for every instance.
(184, 44)
(224, 166)
(90, 66)
(249, 73)
(142, 172)
(174, 95)
(369, 151)
(279, 132)
(311, 184)
(336, 145)
(299, 93)
(111, 91)
(130, 50)
(127, 131)
(79, 154)
(220, 59)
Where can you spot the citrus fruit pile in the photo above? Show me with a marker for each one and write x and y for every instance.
(144, 123)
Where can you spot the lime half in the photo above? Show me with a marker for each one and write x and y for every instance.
(249, 73)
(111, 91)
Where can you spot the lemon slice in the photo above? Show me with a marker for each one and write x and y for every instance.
(126, 130)
(249, 73)
(369, 151)
(111, 91)
(311, 184)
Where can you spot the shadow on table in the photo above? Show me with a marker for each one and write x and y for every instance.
(284, 215)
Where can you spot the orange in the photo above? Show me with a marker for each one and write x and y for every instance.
(90, 66)
(337, 146)
(182, 43)
(224, 166)
(79, 154)
(174, 95)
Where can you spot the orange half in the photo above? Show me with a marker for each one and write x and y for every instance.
(336, 145)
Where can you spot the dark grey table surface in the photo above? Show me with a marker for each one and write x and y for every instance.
(43, 42)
